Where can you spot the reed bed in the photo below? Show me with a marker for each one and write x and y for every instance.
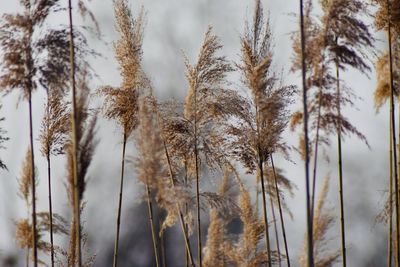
(196, 159)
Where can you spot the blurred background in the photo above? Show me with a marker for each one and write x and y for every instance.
(173, 27)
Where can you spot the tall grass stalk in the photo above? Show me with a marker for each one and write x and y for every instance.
(394, 143)
(310, 257)
(188, 251)
(76, 202)
(316, 146)
(390, 201)
(121, 186)
(152, 227)
(339, 150)
(48, 159)
(278, 249)
(33, 182)
(196, 158)
(280, 212)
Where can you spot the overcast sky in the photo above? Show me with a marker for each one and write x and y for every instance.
(174, 26)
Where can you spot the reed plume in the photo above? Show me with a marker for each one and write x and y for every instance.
(346, 37)
(19, 38)
(44, 223)
(244, 251)
(205, 79)
(340, 39)
(258, 134)
(217, 235)
(55, 126)
(150, 165)
(121, 104)
(214, 254)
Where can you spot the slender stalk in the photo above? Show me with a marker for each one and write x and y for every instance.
(185, 225)
(392, 112)
(265, 214)
(316, 146)
(275, 228)
(48, 158)
(121, 186)
(33, 182)
(151, 220)
(199, 256)
(74, 138)
(307, 156)
(280, 212)
(50, 207)
(340, 166)
(390, 228)
(188, 250)
(29, 88)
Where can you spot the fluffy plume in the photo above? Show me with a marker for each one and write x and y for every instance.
(341, 36)
(245, 252)
(55, 125)
(150, 165)
(264, 117)
(382, 91)
(33, 57)
(382, 18)
(214, 250)
(121, 103)
(25, 180)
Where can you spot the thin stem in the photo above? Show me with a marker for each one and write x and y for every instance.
(185, 226)
(267, 239)
(74, 138)
(181, 218)
(280, 212)
(316, 146)
(151, 220)
(390, 224)
(121, 186)
(188, 251)
(33, 183)
(275, 227)
(50, 207)
(29, 67)
(199, 256)
(392, 111)
(48, 157)
(307, 156)
(340, 166)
